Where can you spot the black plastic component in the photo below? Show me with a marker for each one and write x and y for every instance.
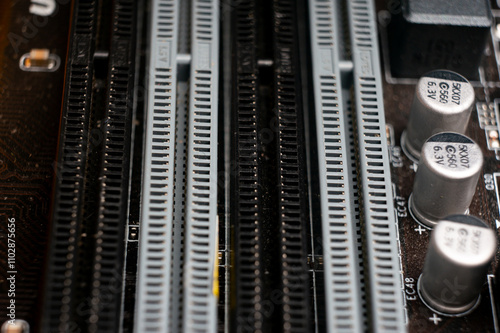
(269, 193)
(84, 272)
(246, 194)
(431, 34)
(292, 195)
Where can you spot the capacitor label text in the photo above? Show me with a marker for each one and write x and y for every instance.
(452, 156)
(446, 92)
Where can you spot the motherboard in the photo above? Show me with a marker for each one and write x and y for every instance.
(249, 166)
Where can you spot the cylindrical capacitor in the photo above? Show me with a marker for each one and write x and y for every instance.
(442, 103)
(446, 177)
(459, 254)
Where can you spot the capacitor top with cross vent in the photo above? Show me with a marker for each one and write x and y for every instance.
(443, 102)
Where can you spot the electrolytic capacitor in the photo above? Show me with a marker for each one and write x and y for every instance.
(442, 103)
(459, 254)
(446, 178)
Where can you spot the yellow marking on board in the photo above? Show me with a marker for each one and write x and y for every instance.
(216, 276)
(215, 285)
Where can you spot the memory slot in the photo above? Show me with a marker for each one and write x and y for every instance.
(292, 196)
(380, 252)
(201, 285)
(246, 193)
(114, 171)
(268, 188)
(177, 285)
(85, 268)
(337, 187)
(67, 228)
(155, 240)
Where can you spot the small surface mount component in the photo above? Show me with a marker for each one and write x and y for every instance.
(427, 35)
(39, 60)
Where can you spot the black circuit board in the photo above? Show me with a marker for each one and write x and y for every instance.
(30, 113)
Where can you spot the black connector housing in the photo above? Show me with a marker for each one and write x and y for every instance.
(434, 34)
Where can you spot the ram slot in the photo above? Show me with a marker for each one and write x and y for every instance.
(337, 195)
(114, 174)
(269, 193)
(154, 273)
(245, 200)
(201, 287)
(382, 266)
(67, 227)
(177, 283)
(85, 273)
(292, 195)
